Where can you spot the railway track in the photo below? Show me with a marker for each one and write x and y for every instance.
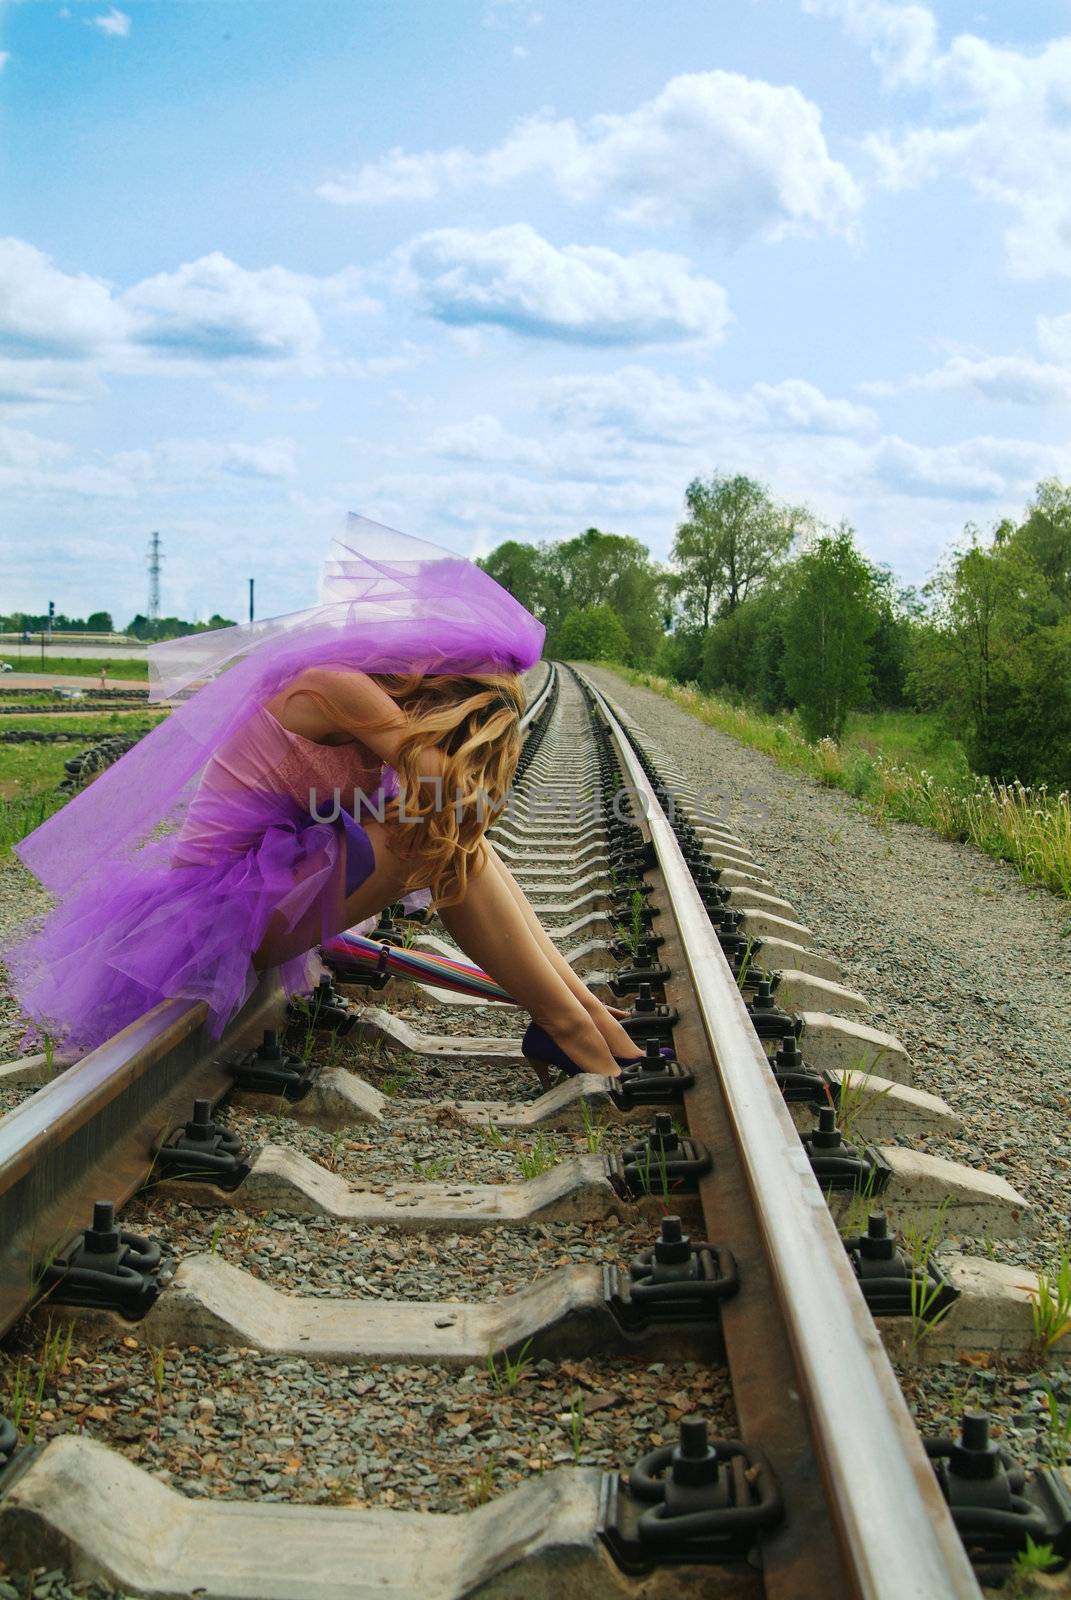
(368, 1270)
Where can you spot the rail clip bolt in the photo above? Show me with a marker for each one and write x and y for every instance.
(270, 1049)
(674, 1259)
(877, 1244)
(200, 1124)
(974, 1455)
(102, 1239)
(645, 1001)
(694, 1481)
(789, 1057)
(763, 999)
(663, 1134)
(653, 1060)
(827, 1135)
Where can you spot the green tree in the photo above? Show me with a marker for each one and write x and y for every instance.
(1044, 537)
(898, 611)
(607, 569)
(743, 651)
(593, 633)
(522, 569)
(734, 536)
(99, 622)
(829, 623)
(973, 663)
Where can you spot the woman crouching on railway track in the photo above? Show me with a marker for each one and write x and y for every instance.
(212, 849)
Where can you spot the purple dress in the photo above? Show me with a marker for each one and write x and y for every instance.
(186, 912)
(168, 867)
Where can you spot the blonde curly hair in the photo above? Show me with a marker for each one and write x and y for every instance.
(474, 721)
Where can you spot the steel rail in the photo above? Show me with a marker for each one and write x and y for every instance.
(893, 1526)
(91, 1133)
(535, 710)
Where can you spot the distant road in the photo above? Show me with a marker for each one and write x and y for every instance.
(58, 680)
(64, 651)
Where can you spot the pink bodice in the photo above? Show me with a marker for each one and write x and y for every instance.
(261, 761)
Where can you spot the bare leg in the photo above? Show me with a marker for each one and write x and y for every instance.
(490, 928)
(619, 1042)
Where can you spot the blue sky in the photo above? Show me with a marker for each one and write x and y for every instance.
(483, 269)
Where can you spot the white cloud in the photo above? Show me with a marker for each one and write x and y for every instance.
(115, 23)
(212, 309)
(650, 406)
(208, 311)
(182, 463)
(729, 153)
(48, 313)
(902, 38)
(1054, 338)
(563, 456)
(1002, 122)
(1019, 380)
(676, 429)
(39, 466)
(983, 468)
(796, 405)
(5, 57)
(37, 384)
(513, 278)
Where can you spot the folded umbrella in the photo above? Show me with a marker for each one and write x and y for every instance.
(354, 953)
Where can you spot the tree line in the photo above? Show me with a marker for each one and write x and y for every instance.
(101, 622)
(763, 603)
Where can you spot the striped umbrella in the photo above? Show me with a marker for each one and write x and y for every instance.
(353, 952)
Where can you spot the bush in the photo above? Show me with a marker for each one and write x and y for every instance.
(593, 633)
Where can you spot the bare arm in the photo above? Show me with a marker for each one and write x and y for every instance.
(362, 701)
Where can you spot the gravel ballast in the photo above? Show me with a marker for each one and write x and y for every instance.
(962, 961)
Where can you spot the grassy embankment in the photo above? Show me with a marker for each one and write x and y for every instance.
(30, 773)
(901, 766)
(75, 666)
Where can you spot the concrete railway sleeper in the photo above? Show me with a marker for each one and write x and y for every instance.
(587, 1326)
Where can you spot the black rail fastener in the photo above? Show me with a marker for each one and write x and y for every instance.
(626, 980)
(105, 1268)
(654, 1080)
(678, 1280)
(741, 952)
(699, 1502)
(799, 1083)
(203, 1151)
(892, 1285)
(324, 1008)
(623, 899)
(994, 1505)
(643, 953)
(269, 1069)
(666, 1162)
(767, 1017)
(840, 1166)
(648, 1015)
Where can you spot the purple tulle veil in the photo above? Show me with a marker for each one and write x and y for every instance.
(389, 603)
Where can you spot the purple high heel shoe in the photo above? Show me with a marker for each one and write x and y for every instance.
(541, 1050)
